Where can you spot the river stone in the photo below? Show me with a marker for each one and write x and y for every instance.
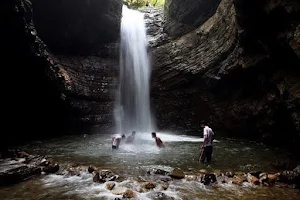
(252, 179)
(272, 178)
(242, 177)
(191, 177)
(203, 171)
(149, 185)
(51, 169)
(91, 169)
(217, 172)
(255, 173)
(129, 194)
(177, 174)
(236, 181)
(110, 185)
(159, 196)
(229, 174)
(119, 190)
(207, 179)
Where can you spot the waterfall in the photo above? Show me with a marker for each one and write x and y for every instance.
(132, 110)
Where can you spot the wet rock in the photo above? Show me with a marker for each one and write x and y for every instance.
(158, 171)
(18, 174)
(290, 178)
(159, 196)
(191, 178)
(177, 174)
(107, 175)
(207, 179)
(222, 179)
(23, 154)
(252, 179)
(229, 174)
(203, 171)
(44, 162)
(235, 180)
(91, 169)
(165, 179)
(110, 185)
(129, 194)
(243, 177)
(149, 185)
(297, 169)
(51, 169)
(217, 173)
(96, 178)
(74, 171)
(119, 190)
(255, 173)
(272, 178)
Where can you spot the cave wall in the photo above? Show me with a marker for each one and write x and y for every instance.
(65, 88)
(77, 26)
(239, 70)
(31, 85)
(184, 16)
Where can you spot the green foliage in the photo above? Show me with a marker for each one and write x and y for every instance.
(157, 2)
(142, 3)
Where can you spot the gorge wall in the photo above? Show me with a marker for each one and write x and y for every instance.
(239, 70)
(61, 59)
(234, 63)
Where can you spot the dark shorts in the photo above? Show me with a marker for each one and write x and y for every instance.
(206, 154)
(114, 147)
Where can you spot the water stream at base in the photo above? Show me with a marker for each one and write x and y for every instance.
(132, 161)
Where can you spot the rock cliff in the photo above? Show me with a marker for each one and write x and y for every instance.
(53, 90)
(239, 69)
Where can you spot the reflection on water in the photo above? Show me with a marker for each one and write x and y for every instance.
(133, 160)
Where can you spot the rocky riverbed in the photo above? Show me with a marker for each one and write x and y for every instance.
(85, 167)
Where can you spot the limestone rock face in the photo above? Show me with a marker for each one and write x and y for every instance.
(184, 16)
(238, 69)
(77, 26)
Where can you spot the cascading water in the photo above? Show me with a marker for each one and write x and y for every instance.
(132, 111)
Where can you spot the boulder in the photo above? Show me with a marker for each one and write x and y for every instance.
(159, 196)
(119, 190)
(252, 179)
(18, 174)
(177, 174)
(207, 179)
(203, 171)
(91, 169)
(110, 185)
(149, 185)
(229, 174)
(129, 194)
(50, 169)
(235, 180)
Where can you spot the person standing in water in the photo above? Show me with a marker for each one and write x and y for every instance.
(158, 141)
(207, 147)
(130, 138)
(147, 3)
(116, 140)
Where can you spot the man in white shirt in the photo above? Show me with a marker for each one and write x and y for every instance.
(207, 148)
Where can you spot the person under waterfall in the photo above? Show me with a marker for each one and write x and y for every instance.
(130, 138)
(207, 146)
(116, 140)
(158, 141)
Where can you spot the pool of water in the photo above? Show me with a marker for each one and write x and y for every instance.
(133, 161)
